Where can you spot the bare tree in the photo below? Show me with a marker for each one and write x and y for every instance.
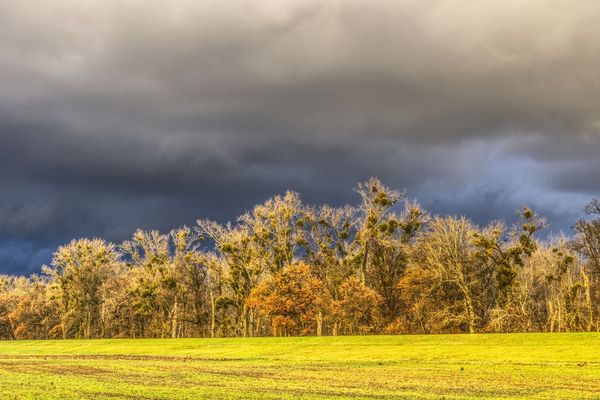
(447, 254)
(81, 269)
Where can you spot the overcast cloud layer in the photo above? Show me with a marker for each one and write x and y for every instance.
(124, 114)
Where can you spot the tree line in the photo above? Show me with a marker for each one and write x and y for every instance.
(385, 266)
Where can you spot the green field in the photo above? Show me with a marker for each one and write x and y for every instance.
(540, 366)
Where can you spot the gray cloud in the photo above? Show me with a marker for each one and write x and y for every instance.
(122, 114)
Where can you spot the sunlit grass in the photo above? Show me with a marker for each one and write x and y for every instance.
(541, 366)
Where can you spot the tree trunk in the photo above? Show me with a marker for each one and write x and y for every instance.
(588, 302)
(88, 333)
(363, 267)
(251, 326)
(174, 319)
(551, 316)
(470, 315)
(469, 309)
(319, 323)
(559, 316)
(212, 315)
(245, 320)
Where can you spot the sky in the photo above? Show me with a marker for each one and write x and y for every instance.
(122, 114)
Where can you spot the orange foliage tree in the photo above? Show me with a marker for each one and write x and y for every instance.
(291, 300)
(357, 310)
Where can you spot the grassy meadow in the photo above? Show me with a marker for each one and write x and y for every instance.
(538, 366)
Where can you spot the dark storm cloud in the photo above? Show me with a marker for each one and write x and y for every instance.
(116, 115)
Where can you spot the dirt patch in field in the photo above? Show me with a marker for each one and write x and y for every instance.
(28, 367)
(118, 357)
(96, 395)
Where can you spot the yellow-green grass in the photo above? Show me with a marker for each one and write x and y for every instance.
(539, 366)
